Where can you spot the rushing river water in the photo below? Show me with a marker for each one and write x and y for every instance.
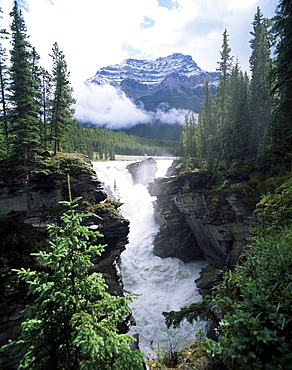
(161, 284)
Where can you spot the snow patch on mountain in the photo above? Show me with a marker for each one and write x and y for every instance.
(143, 91)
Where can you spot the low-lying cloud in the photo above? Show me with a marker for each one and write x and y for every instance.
(108, 107)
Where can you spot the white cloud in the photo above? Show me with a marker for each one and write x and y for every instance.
(105, 106)
(93, 34)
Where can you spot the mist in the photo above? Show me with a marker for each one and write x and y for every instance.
(107, 107)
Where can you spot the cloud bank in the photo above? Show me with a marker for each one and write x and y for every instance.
(107, 107)
(94, 34)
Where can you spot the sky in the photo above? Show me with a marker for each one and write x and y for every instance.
(97, 33)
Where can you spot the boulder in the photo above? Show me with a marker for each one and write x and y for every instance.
(143, 172)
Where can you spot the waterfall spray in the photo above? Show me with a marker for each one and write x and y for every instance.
(159, 284)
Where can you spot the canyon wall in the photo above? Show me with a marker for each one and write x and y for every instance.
(30, 227)
(199, 221)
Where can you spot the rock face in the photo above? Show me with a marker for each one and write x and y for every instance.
(197, 222)
(45, 193)
(143, 172)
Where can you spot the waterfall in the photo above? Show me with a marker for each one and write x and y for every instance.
(160, 284)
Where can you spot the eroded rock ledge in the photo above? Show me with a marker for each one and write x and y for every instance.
(200, 222)
(45, 193)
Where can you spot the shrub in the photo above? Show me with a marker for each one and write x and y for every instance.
(257, 327)
(72, 323)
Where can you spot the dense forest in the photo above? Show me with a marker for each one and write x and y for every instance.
(36, 108)
(248, 125)
(250, 117)
(105, 144)
(248, 121)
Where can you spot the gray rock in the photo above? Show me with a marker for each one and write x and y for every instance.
(196, 224)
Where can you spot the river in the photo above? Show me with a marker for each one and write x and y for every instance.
(160, 284)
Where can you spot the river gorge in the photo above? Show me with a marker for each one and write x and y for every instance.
(159, 284)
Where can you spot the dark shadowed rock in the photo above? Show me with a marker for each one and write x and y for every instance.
(45, 193)
(197, 222)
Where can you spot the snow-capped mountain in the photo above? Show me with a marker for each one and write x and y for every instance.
(175, 80)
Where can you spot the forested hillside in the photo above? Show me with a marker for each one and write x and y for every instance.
(105, 144)
(36, 108)
(249, 117)
(248, 126)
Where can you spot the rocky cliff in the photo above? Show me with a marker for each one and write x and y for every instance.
(176, 80)
(23, 233)
(198, 221)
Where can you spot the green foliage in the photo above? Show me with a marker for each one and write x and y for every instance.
(104, 144)
(256, 330)
(256, 297)
(72, 323)
(191, 313)
(260, 99)
(282, 74)
(61, 111)
(24, 98)
(63, 164)
(275, 208)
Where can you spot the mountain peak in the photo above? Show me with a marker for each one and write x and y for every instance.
(175, 79)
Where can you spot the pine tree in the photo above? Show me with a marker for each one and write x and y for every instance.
(282, 73)
(260, 104)
(208, 130)
(220, 101)
(61, 110)
(46, 91)
(237, 139)
(188, 140)
(24, 131)
(3, 86)
(72, 323)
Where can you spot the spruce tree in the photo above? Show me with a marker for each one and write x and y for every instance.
(220, 101)
(208, 130)
(24, 132)
(260, 104)
(282, 74)
(188, 140)
(61, 109)
(3, 85)
(46, 92)
(72, 323)
(237, 138)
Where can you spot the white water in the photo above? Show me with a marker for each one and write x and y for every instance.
(160, 284)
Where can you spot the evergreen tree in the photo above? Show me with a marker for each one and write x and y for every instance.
(237, 139)
(188, 140)
(61, 110)
(208, 130)
(24, 132)
(282, 73)
(260, 65)
(46, 91)
(3, 85)
(220, 101)
(73, 322)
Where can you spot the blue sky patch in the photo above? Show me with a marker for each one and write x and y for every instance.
(130, 50)
(169, 4)
(147, 22)
(23, 4)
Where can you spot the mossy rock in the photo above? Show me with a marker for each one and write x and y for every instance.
(109, 208)
(67, 163)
